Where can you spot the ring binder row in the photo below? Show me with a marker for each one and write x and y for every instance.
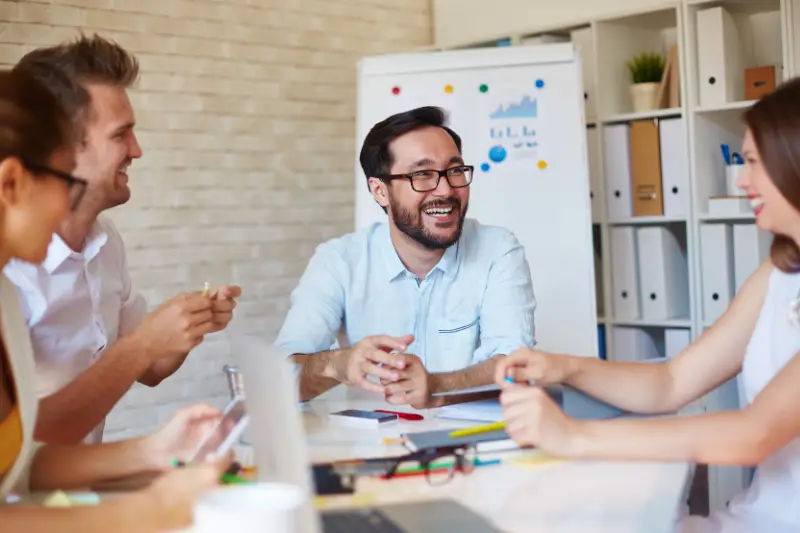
(646, 168)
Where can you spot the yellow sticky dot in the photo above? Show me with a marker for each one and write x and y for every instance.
(542, 164)
(448, 88)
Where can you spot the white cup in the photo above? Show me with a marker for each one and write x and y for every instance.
(250, 508)
(731, 176)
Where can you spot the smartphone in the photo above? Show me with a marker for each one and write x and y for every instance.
(225, 433)
(359, 418)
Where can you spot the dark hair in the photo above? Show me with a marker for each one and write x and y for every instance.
(376, 158)
(33, 125)
(775, 124)
(67, 68)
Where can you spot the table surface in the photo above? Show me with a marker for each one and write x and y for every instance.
(540, 495)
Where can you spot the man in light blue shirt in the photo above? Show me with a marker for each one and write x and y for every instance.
(423, 303)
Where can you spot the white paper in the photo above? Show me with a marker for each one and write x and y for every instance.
(480, 411)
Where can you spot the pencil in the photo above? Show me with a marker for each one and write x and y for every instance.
(477, 430)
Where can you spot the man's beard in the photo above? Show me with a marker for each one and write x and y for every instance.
(413, 226)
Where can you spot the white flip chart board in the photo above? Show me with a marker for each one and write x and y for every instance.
(519, 112)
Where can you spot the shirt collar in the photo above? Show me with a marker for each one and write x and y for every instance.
(58, 251)
(448, 264)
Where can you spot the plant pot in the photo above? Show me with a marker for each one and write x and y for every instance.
(643, 96)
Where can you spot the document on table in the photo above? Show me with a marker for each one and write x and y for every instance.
(479, 411)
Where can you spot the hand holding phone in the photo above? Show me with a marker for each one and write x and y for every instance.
(227, 431)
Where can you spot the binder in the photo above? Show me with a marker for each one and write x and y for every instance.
(617, 172)
(663, 273)
(675, 340)
(630, 344)
(625, 274)
(674, 167)
(645, 154)
(595, 189)
(720, 60)
(750, 249)
(584, 44)
(716, 260)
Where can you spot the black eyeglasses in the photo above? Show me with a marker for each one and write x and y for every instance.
(438, 464)
(428, 180)
(76, 186)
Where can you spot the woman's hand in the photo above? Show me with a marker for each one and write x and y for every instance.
(527, 365)
(533, 419)
(180, 436)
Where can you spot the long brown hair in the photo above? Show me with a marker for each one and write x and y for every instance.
(775, 124)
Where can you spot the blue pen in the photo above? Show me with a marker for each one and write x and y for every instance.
(509, 379)
(726, 153)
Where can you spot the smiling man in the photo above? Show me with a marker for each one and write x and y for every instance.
(91, 332)
(423, 303)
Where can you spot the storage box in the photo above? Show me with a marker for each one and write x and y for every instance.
(758, 82)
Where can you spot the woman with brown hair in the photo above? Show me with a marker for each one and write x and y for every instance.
(758, 336)
(37, 190)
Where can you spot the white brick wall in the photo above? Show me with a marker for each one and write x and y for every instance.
(245, 114)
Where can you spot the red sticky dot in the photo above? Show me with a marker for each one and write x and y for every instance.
(396, 90)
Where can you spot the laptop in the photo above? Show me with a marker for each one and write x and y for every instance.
(280, 455)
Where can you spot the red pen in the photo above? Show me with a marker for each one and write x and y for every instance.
(402, 416)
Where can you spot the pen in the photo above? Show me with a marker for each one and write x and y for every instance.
(726, 153)
(401, 415)
(206, 288)
(477, 430)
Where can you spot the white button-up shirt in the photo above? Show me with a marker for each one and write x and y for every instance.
(76, 304)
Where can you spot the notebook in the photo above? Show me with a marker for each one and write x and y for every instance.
(490, 441)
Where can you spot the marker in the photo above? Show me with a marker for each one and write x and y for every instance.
(206, 288)
(401, 415)
(477, 430)
(509, 379)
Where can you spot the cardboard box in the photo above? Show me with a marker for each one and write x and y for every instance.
(758, 82)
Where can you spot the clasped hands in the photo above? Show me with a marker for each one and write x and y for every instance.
(403, 379)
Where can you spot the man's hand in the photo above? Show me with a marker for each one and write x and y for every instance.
(180, 436)
(533, 419)
(223, 302)
(176, 326)
(369, 357)
(413, 386)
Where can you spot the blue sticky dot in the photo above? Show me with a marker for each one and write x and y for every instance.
(485, 167)
(497, 153)
(539, 84)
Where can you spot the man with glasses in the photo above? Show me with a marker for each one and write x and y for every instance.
(426, 302)
(90, 330)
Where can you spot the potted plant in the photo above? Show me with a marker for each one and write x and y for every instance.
(646, 70)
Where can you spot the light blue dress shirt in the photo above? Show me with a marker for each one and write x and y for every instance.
(477, 301)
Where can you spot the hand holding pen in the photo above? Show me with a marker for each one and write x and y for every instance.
(526, 366)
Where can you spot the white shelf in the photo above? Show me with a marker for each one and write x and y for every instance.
(749, 7)
(657, 113)
(732, 106)
(647, 221)
(726, 218)
(683, 323)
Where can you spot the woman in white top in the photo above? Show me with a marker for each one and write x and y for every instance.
(759, 336)
(36, 192)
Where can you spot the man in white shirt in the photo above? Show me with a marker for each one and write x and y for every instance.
(90, 329)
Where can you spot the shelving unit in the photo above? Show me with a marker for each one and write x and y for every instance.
(752, 33)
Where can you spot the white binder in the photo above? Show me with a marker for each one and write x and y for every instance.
(674, 167)
(630, 344)
(584, 44)
(663, 273)
(625, 274)
(750, 249)
(716, 248)
(719, 58)
(617, 167)
(675, 340)
(595, 189)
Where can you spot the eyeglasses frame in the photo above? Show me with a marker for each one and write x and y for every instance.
(71, 180)
(441, 173)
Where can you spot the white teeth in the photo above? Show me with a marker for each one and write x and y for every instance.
(439, 211)
(756, 202)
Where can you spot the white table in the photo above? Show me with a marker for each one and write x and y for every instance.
(618, 497)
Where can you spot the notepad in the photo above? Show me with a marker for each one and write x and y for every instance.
(480, 411)
(490, 441)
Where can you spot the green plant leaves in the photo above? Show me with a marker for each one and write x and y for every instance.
(646, 67)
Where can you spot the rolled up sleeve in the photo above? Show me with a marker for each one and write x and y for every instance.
(507, 310)
(317, 305)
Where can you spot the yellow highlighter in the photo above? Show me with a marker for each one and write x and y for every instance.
(477, 430)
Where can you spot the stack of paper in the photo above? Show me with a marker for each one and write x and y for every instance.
(479, 411)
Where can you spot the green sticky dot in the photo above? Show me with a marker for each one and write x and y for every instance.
(484, 87)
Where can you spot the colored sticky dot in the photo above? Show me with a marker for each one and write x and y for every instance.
(543, 164)
(539, 84)
(485, 167)
(484, 87)
(448, 88)
(395, 90)
(497, 153)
